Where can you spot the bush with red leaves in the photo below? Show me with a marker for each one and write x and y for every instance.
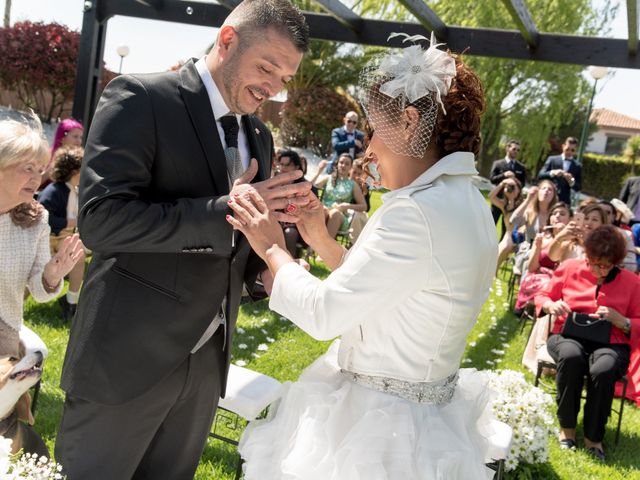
(38, 62)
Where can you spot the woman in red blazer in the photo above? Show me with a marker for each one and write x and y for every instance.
(598, 287)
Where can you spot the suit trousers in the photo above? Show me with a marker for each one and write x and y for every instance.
(159, 435)
(602, 366)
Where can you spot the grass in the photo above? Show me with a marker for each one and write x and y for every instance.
(289, 351)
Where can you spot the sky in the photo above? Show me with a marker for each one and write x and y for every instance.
(156, 46)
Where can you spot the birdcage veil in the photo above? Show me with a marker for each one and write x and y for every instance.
(411, 76)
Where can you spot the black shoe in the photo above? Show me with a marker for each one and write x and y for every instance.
(597, 454)
(68, 309)
(568, 444)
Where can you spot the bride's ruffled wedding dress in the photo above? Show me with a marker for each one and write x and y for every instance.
(326, 427)
(387, 401)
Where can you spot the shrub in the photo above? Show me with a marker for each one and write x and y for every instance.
(38, 62)
(603, 176)
(309, 115)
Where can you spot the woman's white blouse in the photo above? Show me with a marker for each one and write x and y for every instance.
(410, 289)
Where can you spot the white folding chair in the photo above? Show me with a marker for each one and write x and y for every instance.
(248, 397)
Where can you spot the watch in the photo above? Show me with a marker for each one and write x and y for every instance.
(627, 325)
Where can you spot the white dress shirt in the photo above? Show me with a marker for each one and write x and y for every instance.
(220, 109)
(411, 287)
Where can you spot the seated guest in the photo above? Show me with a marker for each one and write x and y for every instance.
(289, 161)
(540, 267)
(61, 200)
(621, 216)
(68, 134)
(342, 197)
(533, 213)
(506, 196)
(359, 176)
(530, 217)
(25, 258)
(568, 243)
(596, 286)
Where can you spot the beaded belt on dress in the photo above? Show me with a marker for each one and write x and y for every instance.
(434, 393)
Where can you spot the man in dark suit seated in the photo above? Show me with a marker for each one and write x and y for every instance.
(630, 194)
(564, 171)
(149, 349)
(346, 139)
(507, 167)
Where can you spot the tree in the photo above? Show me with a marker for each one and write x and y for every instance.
(38, 62)
(528, 100)
(632, 152)
(310, 114)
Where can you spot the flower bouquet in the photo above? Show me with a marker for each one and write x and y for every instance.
(528, 411)
(25, 465)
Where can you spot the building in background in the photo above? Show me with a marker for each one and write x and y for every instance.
(613, 131)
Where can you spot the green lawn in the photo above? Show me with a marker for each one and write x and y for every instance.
(289, 350)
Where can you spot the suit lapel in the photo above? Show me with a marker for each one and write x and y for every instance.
(256, 150)
(196, 100)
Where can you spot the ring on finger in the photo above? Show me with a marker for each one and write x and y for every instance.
(290, 208)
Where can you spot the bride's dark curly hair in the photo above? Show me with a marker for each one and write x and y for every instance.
(459, 129)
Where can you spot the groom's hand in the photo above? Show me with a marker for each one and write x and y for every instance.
(277, 192)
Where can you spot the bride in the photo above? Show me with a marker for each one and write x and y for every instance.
(388, 400)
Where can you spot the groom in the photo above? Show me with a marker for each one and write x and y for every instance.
(149, 349)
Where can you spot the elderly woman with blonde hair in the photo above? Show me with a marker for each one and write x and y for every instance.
(25, 257)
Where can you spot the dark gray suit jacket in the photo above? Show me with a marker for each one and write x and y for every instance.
(153, 201)
(630, 193)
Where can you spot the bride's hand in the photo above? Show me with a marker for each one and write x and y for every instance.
(310, 220)
(255, 221)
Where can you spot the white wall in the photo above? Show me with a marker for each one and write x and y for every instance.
(597, 142)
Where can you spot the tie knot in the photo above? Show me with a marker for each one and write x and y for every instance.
(231, 128)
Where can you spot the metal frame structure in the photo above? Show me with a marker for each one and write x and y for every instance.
(341, 24)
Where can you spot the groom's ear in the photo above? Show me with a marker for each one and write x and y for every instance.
(227, 37)
(411, 120)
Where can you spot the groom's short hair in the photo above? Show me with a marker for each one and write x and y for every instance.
(252, 17)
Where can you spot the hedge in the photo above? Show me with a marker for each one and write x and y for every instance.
(603, 176)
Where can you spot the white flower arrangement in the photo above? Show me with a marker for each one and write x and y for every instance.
(15, 467)
(528, 411)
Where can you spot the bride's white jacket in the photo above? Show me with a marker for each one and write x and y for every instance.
(410, 289)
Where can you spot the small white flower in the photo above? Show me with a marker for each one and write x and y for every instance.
(283, 319)
(472, 344)
(242, 346)
(481, 334)
(255, 312)
(241, 363)
(263, 347)
(240, 330)
(263, 331)
(255, 355)
(264, 320)
(270, 340)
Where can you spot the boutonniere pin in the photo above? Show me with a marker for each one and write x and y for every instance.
(257, 131)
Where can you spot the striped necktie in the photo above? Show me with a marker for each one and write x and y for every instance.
(232, 152)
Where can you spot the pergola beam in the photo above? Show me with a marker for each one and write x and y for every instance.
(551, 47)
(426, 17)
(342, 14)
(633, 14)
(522, 18)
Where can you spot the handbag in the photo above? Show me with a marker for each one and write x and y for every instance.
(580, 326)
